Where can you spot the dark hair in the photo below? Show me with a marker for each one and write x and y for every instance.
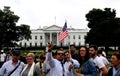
(72, 45)
(94, 46)
(86, 55)
(53, 54)
(42, 57)
(117, 55)
(99, 51)
(66, 52)
(61, 49)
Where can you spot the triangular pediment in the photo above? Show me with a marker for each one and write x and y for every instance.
(53, 27)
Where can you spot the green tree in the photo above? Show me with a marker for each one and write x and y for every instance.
(104, 27)
(10, 33)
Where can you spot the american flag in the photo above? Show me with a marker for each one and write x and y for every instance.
(63, 33)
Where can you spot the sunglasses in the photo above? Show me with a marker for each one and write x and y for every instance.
(60, 53)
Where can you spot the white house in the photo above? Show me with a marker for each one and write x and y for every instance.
(41, 36)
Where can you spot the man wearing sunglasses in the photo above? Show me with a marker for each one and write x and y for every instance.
(56, 64)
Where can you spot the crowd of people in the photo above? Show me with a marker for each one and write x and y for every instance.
(85, 62)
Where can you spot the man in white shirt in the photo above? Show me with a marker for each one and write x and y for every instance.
(57, 65)
(10, 65)
(71, 64)
(2, 57)
(98, 61)
(104, 59)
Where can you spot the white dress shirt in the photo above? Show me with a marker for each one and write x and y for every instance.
(2, 57)
(75, 65)
(99, 63)
(56, 67)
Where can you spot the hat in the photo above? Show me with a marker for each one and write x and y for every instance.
(16, 52)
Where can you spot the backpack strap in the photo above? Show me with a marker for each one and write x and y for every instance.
(14, 69)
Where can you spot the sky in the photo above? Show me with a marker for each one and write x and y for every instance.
(40, 13)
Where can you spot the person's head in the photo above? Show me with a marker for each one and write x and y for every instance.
(99, 52)
(72, 48)
(83, 54)
(43, 53)
(35, 53)
(115, 60)
(2, 51)
(42, 58)
(25, 54)
(30, 58)
(93, 51)
(67, 55)
(60, 54)
(83, 51)
(9, 52)
(15, 55)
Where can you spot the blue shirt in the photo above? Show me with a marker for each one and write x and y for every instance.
(89, 68)
(8, 67)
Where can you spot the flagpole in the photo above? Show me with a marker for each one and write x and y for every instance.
(69, 45)
(68, 41)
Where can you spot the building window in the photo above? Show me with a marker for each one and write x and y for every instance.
(48, 37)
(68, 43)
(35, 37)
(74, 43)
(73, 36)
(40, 37)
(41, 44)
(54, 36)
(79, 44)
(85, 37)
(68, 36)
(35, 44)
(79, 37)
(20, 44)
(30, 44)
(25, 44)
(61, 44)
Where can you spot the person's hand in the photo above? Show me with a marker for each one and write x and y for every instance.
(70, 67)
(50, 46)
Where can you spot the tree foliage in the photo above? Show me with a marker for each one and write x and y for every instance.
(104, 27)
(10, 33)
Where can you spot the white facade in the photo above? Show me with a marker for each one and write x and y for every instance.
(41, 36)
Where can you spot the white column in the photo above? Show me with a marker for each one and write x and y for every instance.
(50, 36)
(44, 42)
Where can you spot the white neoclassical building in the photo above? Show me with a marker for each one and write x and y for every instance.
(40, 37)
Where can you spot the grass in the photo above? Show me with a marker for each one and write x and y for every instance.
(40, 51)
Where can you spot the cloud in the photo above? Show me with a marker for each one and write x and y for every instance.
(43, 12)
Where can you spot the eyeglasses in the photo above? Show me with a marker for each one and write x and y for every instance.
(60, 53)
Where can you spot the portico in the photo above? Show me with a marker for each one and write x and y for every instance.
(52, 37)
(41, 36)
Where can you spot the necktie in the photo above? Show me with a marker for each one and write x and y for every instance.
(63, 68)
